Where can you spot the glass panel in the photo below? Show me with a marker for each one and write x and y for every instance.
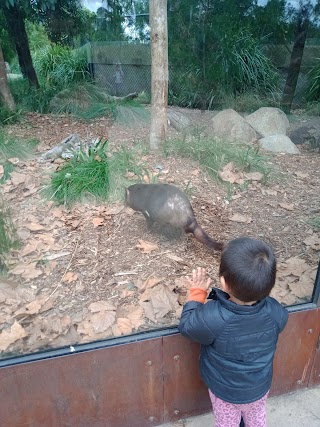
(78, 264)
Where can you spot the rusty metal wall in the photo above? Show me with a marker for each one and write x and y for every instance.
(113, 387)
(141, 384)
(315, 370)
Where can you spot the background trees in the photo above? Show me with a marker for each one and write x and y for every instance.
(218, 49)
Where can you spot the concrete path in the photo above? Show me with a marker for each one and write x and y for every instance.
(298, 409)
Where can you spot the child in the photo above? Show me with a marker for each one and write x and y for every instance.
(238, 331)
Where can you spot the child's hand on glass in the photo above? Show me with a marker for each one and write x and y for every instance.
(199, 279)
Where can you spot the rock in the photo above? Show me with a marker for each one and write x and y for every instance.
(268, 121)
(179, 122)
(229, 125)
(278, 144)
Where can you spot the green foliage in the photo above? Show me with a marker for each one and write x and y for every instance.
(37, 36)
(13, 147)
(8, 117)
(313, 91)
(58, 66)
(222, 56)
(315, 223)
(213, 155)
(85, 174)
(8, 237)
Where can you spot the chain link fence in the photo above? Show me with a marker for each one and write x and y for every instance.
(120, 67)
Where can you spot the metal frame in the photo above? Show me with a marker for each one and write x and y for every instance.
(140, 336)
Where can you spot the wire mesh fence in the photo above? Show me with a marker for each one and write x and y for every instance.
(120, 67)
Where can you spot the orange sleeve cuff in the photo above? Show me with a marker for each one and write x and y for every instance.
(197, 294)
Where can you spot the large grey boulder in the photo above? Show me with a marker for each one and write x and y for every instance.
(278, 144)
(229, 125)
(268, 121)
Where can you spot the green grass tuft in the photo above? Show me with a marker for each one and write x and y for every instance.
(315, 223)
(86, 174)
(13, 147)
(8, 237)
(213, 155)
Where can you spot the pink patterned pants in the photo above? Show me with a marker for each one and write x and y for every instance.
(229, 414)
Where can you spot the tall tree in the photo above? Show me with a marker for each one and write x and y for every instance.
(15, 19)
(159, 72)
(5, 94)
(303, 19)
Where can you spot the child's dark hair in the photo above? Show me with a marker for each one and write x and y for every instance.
(249, 268)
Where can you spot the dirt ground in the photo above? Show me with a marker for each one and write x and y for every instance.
(95, 271)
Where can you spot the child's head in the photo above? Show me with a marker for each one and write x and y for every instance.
(248, 267)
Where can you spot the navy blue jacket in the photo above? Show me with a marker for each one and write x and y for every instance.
(238, 343)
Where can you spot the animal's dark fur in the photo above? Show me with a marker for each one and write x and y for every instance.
(166, 204)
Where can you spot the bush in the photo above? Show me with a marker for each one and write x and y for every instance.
(58, 66)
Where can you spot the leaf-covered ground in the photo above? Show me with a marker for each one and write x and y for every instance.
(95, 271)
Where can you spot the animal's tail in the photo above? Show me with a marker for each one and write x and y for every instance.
(203, 237)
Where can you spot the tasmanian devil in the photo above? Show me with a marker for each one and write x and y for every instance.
(166, 204)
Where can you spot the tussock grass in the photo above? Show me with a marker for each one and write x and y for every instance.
(86, 174)
(14, 147)
(213, 155)
(8, 237)
(95, 175)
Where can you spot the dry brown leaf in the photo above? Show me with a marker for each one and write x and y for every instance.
(32, 308)
(241, 218)
(57, 212)
(150, 282)
(126, 293)
(163, 301)
(176, 258)
(136, 317)
(124, 326)
(270, 192)
(69, 277)
(146, 247)
(14, 160)
(195, 172)
(11, 335)
(313, 241)
(97, 221)
(114, 210)
(1, 171)
(148, 310)
(29, 248)
(27, 271)
(287, 206)
(97, 306)
(300, 174)
(228, 173)
(303, 287)
(18, 178)
(102, 321)
(34, 227)
(254, 176)
(294, 265)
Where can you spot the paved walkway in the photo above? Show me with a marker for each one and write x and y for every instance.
(298, 409)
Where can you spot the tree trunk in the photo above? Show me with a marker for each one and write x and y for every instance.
(159, 72)
(5, 94)
(295, 63)
(17, 31)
